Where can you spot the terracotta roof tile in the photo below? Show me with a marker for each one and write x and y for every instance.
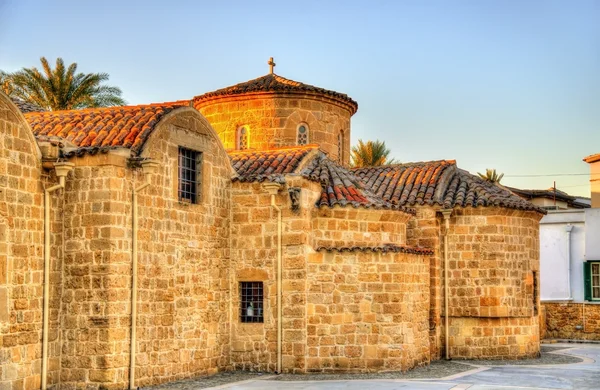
(271, 165)
(275, 83)
(381, 248)
(26, 107)
(340, 186)
(126, 126)
(437, 182)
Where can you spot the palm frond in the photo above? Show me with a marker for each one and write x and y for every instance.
(62, 88)
(370, 153)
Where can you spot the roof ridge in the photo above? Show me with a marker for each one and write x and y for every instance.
(182, 103)
(406, 164)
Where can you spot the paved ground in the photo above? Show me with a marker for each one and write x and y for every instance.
(575, 376)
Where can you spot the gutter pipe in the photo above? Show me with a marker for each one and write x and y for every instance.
(61, 169)
(446, 213)
(148, 168)
(272, 189)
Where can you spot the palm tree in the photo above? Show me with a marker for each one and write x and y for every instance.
(62, 88)
(5, 84)
(491, 176)
(370, 154)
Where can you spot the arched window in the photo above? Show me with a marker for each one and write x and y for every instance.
(341, 146)
(302, 134)
(243, 137)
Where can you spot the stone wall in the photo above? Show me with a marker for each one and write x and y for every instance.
(350, 226)
(183, 264)
(572, 321)
(494, 338)
(272, 120)
(424, 231)
(367, 311)
(184, 258)
(254, 258)
(493, 260)
(21, 256)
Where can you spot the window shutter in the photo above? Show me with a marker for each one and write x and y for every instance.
(587, 281)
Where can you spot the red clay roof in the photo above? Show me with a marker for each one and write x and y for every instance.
(271, 165)
(274, 83)
(340, 186)
(437, 182)
(126, 126)
(26, 107)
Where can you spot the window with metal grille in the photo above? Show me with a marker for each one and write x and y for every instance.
(190, 164)
(243, 138)
(302, 134)
(251, 301)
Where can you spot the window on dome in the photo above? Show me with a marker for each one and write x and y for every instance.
(243, 137)
(302, 134)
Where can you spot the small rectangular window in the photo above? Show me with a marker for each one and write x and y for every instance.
(190, 168)
(251, 301)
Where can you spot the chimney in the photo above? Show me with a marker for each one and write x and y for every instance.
(594, 161)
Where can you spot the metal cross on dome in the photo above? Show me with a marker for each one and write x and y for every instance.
(271, 64)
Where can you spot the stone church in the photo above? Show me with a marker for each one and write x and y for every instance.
(145, 244)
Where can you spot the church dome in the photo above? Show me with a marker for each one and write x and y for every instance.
(274, 112)
(278, 84)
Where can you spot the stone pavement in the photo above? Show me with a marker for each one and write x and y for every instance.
(578, 376)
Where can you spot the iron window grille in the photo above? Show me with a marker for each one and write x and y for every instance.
(190, 163)
(251, 302)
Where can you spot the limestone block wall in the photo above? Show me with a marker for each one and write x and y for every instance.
(254, 258)
(494, 282)
(349, 226)
(494, 255)
(494, 338)
(574, 321)
(21, 256)
(367, 311)
(184, 258)
(95, 302)
(273, 119)
(424, 231)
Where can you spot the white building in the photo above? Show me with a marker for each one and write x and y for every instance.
(568, 239)
(570, 267)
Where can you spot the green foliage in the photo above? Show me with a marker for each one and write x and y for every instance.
(370, 154)
(491, 176)
(60, 88)
(5, 84)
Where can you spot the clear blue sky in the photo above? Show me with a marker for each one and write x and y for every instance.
(511, 85)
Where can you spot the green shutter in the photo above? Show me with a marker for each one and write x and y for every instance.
(587, 281)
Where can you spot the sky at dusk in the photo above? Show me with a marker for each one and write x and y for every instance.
(511, 85)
